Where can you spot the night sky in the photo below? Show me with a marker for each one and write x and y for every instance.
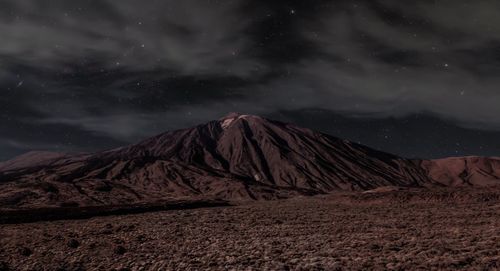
(419, 79)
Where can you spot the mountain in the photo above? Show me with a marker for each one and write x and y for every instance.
(238, 157)
(36, 159)
(459, 171)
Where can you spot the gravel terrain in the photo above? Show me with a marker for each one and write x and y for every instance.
(308, 233)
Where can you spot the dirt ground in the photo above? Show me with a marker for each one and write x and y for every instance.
(317, 233)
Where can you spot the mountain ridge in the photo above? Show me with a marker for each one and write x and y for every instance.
(237, 157)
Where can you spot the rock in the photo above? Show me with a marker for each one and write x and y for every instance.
(4, 266)
(73, 243)
(25, 251)
(120, 250)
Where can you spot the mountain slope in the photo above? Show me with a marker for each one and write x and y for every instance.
(459, 171)
(236, 157)
(276, 154)
(35, 158)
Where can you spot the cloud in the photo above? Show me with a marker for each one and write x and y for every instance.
(95, 74)
(116, 71)
(386, 59)
(186, 37)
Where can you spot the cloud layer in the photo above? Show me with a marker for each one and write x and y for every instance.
(87, 75)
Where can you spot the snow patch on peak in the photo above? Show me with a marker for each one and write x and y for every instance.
(232, 117)
(227, 122)
(245, 116)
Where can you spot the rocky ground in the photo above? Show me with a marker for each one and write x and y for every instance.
(316, 233)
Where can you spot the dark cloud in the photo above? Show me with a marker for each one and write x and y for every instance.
(391, 59)
(87, 75)
(189, 37)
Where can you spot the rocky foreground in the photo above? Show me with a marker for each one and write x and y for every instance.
(394, 230)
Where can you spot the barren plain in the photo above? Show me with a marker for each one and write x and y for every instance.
(395, 230)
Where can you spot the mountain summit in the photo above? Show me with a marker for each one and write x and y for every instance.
(236, 157)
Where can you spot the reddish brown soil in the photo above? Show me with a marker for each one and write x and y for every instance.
(398, 230)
